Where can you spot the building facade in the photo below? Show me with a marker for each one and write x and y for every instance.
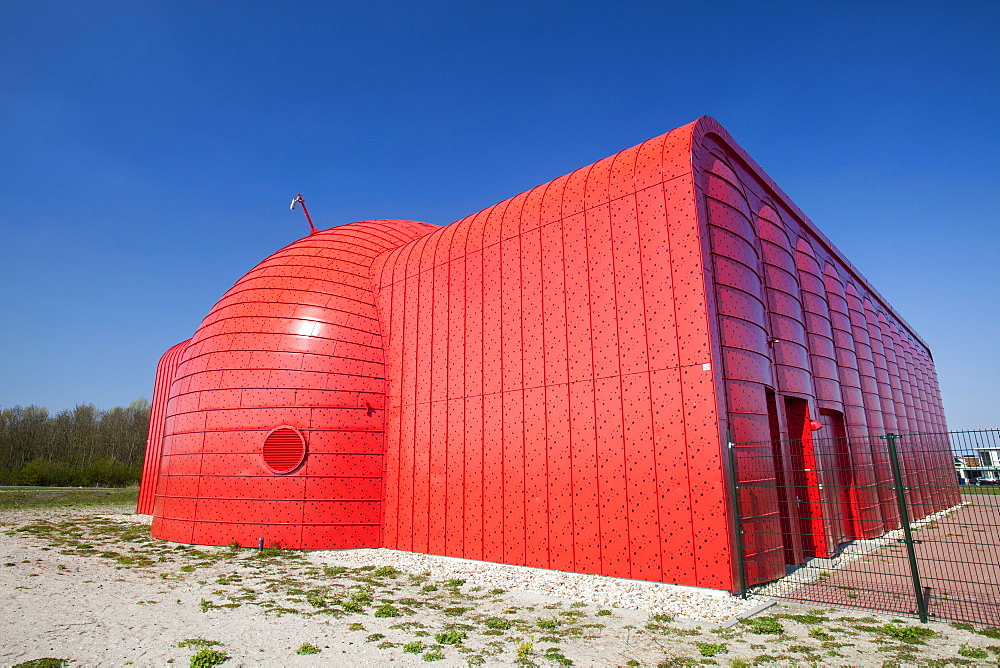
(549, 382)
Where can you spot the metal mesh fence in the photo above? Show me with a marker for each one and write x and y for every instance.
(905, 524)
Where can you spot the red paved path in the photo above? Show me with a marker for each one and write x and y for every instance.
(959, 563)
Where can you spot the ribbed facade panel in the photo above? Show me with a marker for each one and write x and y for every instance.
(295, 343)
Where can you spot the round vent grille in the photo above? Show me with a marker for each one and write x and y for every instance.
(284, 449)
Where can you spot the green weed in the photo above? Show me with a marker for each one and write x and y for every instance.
(710, 648)
(207, 658)
(415, 647)
(452, 637)
(198, 642)
(973, 652)
(434, 654)
(317, 599)
(386, 610)
(306, 648)
(763, 625)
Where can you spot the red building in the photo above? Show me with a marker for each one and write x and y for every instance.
(548, 382)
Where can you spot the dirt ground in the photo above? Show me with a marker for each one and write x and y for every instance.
(89, 586)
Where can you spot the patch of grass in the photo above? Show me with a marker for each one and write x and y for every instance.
(990, 632)
(356, 626)
(547, 624)
(415, 647)
(455, 612)
(820, 634)
(972, 652)
(805, 619)
(498, 592)
(603, 613)
(386, 610)
(496, 623)
(913, 635)
(524, 650)
(454, 582)
(207, 658)
(199, 642)
(47, 497)
(316, 599)
(306, 648)
(710, 648)
(433, 654)
(662, 617)
(452, 637)
(43, 663)
(763, 625)
(556, 656)
(385, 572)
(428, 588)
(375, 637)
(334, 570)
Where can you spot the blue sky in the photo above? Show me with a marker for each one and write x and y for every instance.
(148, 150)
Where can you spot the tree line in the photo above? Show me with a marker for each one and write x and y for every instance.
(73, 448)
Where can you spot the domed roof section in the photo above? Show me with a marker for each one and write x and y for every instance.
(294, 344)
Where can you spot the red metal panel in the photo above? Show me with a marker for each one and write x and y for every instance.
(536, 480)
(586, 495)
(640, 478)
(513, 477)
(611, 479)
(493, 478)
(561, 487)
(602, 307)
(475, 504)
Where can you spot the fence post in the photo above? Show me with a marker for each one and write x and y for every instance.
(904, 518)
(737, 520)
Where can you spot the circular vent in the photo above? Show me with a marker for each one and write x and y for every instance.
(284, 449)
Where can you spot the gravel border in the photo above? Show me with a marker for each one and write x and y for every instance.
(699, 605)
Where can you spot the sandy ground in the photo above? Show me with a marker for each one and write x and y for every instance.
(89, 585)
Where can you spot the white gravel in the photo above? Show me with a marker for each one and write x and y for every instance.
(691, 603)
(703, 605)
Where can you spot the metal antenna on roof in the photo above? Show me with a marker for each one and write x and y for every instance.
(298, 200)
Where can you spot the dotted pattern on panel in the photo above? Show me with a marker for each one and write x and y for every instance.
(539, 353)
(795, 317)
(154, 442)
(295, 342)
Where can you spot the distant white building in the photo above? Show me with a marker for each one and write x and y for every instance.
(979, 468)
